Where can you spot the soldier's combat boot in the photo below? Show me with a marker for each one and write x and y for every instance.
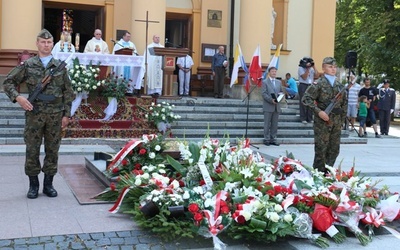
(48, 188)
(33, 191)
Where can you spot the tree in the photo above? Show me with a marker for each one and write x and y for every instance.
(370, 28)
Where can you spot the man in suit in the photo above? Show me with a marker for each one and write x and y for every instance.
(271, 89)
(386, 104)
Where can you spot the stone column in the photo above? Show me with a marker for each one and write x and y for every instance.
(20, 24)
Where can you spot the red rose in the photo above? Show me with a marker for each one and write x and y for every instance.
(181, 184)
(142, 151)
(271, 192)
(278, 189)
(202, 182)
(193, 208)
(258, 179)
(138, 166)
(124, 162)
(287, 169)
(225, 210)
(198, 217)
(240, 219)
(115, 170)
(113, 186)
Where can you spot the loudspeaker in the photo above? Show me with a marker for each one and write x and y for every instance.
(351, 59)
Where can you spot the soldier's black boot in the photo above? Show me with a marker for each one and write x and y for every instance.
(48, 188)
(33, 191)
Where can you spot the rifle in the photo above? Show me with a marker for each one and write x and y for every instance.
(335, 100)
(46, 80)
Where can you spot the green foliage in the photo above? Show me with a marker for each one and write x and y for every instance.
(114, 87)
(370, 28)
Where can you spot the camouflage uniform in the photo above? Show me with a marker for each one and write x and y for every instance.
(45, 120)
(326, 134)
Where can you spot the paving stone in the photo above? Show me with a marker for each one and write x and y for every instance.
(131, 240)
(117, 241)
(103, 242)
(58, 238)
(124, 234)
(110, 234)
(142, 247)
(96, 236)
(50, 246)
(5, 243)
(127, 247)
(33, 240)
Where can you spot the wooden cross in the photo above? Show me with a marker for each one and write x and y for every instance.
(147, 21)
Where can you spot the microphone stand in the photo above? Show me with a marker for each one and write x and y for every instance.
(247, 111)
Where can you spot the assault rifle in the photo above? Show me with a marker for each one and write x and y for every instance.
(46, 80)
(335, 100)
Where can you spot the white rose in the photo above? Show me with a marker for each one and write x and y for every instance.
(145, 176)
(94, 87)
(278, 208)
(157, 148)
(274, 217)
(288, 218)
(152, 155)
(186, 195)
(162, 171)
(246, 215)
(138, 181)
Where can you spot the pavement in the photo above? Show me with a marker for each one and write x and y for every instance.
(62, 223)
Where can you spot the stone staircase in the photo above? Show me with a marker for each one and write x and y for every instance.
(218, 118)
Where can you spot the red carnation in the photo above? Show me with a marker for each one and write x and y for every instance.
(278, 189)
(271, 192)
(113, 186)
(198, 217)
(142, 151)
(193, 208)
(115, 170)
(202, 182)
(225, 210)
(138, 166)
(124, 162)
(287, 169)
(181, 184)
(240, 219)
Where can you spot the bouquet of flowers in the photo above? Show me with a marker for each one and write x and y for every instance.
(161, 115)
(114, 86)
(84, 78)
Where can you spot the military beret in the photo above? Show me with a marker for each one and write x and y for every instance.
(329, 60)
(44, 34)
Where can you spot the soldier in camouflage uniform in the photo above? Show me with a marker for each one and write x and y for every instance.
(46, 116)
(327, 128)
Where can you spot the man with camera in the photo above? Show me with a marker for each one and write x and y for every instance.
(307, 74)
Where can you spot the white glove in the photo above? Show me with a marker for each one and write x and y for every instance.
(391, 111)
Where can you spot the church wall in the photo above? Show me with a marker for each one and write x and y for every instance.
(122, 19)
(156, 12)
(323, 36)
(213, 35)
(181, 4)
(20, 25)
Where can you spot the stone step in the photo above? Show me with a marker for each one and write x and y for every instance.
(293, 125)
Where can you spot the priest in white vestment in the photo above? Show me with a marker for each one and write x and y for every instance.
(154, 69)
(64, 45)
(96, 44)
(126, 71)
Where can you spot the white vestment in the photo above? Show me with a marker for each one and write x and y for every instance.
(57, 48)
(154, 71)
(126, 71)
(96, 46)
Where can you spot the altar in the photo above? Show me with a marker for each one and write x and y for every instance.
(135, 62)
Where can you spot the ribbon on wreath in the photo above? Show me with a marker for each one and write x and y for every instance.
(116, 161)
(121, 197)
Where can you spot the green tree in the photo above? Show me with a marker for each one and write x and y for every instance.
(370, 28)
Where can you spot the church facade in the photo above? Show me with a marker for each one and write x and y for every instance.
(304, 28)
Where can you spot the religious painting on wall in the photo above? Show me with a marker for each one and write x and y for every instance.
(214, 18)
